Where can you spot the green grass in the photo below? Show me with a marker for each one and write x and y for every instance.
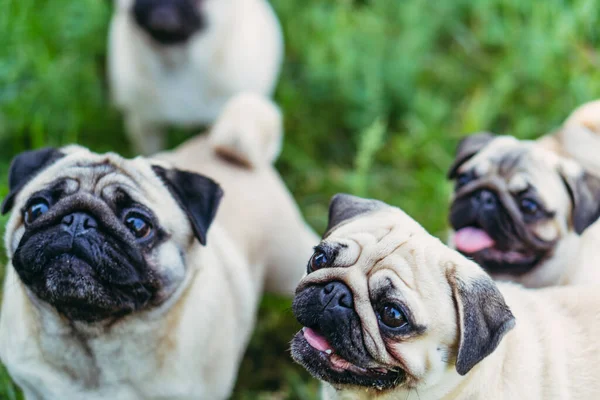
(376, 94)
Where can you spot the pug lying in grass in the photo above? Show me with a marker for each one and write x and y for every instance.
(140, 278)
(390, 312)
(520, 210)
(525, 210)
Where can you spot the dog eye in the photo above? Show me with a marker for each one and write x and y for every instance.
(138, 225)
(529, 206)
(34, 210)
(392, 316)
(463, 179)
(318, 260)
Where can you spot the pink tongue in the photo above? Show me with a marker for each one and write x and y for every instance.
(471, 240)
(315, 340)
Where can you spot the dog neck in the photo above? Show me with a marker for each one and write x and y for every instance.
(83, 351)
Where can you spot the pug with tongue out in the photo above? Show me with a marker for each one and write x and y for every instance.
(391, 313)
(522, 211)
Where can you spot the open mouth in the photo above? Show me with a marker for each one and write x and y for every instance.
(312, 350)
(474, 242)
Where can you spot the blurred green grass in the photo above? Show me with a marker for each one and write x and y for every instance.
(376, 94)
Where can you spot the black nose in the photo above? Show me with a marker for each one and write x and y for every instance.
(486, 199)
(337, 295)
(165, 18)
(79, 223)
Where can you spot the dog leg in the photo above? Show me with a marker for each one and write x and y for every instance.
(146, 137)
(290, 249)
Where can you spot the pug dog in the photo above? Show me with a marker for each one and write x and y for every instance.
(140, 278)
(520, 210)
(390, 312)
(178, 62)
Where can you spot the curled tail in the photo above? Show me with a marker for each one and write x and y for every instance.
(579, 136)
(249, 131)
(587, 115)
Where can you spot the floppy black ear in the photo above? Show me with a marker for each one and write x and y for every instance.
(584, 191)
(197, 195)
(345, 206)
(467, 148)
(484, 319)
(24, 167)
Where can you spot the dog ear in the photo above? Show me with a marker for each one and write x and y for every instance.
(345, 206)
(197, 195)
(23, 168)
(483, 316)
(584, 191)
(467, 148)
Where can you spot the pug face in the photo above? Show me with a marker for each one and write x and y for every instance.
(518, 209)
(97, 237)
(384, 305)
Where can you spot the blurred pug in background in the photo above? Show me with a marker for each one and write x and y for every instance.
(177, 62)
(390, 312)
(137, 278)
(520, 210)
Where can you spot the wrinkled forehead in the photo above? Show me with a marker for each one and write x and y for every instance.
(520, 163)
(379, 226)
(368, 243)
(102, 175)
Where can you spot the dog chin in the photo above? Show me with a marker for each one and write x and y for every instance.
(326, 365)
(70, 285)
(510, 262)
